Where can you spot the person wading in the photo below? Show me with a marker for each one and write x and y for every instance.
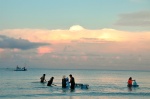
(72, 81)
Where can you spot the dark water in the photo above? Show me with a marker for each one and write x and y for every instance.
(102, 84)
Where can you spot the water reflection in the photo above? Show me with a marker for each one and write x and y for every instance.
(65, 90)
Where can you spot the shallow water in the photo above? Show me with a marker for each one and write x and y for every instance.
(102, 84)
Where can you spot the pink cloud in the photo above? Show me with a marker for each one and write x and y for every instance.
(16, 50)
(44, 50)
(84, 58)
(1, 50)
(84, 40)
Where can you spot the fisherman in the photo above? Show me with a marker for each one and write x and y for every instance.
(50, 81)
(72, 81)
(130, 82)
(43, 78)
(64, 82)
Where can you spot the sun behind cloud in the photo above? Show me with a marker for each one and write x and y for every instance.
(76, 28)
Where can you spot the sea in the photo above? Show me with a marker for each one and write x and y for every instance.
(103, 84)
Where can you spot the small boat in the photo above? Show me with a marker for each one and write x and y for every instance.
(83, 86)
(20, 69)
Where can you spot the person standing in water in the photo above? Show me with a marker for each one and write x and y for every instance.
(43, 78)
(63, 82)
(50, 81)
(67, 83)
(72, 81)
(130, 82)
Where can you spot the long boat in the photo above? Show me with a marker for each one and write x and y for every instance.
(20, 69)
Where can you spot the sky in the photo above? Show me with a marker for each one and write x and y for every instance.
(75, 34)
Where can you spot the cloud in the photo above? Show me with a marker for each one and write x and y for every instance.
(12, 43)
(1, 50)
(84, 40)
(76, 28)
(141, 18)
(80, 48)
(91, 40)
(137, 1)
(43, 50)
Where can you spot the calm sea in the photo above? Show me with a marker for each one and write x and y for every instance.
(102, 84)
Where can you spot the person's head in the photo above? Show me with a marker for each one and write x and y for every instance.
(70, 75)
(51, 78)
(130, 78)
(43, 74)
(64, 77)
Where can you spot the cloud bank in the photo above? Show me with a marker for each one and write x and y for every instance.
(141, 18)
(22, 44)
(77, 37)
(77, 48)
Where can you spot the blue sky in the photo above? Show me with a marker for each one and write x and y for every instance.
(61, 14)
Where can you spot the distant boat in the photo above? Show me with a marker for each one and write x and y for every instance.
(20, 69)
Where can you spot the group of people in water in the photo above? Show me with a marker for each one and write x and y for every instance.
(71, 84)
(65, 81)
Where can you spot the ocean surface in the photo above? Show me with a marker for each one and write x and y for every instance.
(103, 84)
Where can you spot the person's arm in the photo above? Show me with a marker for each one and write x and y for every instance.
(44, 79)
(70, 81)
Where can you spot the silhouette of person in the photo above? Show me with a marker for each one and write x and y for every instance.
(72, 81)
(43, 78)
(63, 82)
(130, 82)
(67, 83)
(50, 81)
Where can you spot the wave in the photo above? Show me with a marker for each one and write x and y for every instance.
(84, 94)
